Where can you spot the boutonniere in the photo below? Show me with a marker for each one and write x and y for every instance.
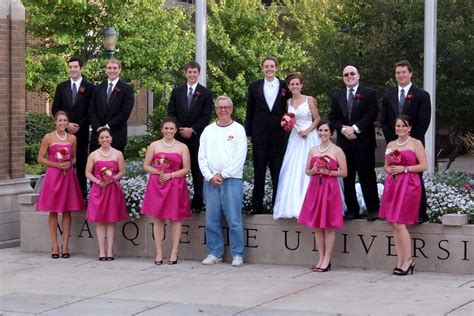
(409, 98)
(117, 90)
(283, 92)
(82, 90)
(358, 96)
(230, 137)
(197, 94)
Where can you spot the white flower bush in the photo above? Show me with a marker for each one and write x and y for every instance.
(134, 190)
(447, 192)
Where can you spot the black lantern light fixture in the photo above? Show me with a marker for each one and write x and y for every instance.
(110, 39)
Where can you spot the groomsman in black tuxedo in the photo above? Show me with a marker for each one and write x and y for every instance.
(407, 99)
(266, 104)
(73, 97)
(353, 113)
(111, 106)
(191, 105)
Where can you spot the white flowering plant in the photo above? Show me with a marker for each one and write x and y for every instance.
(449, 193)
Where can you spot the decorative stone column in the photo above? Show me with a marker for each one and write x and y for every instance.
(12, 119)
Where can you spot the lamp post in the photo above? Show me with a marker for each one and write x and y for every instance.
(109, 40)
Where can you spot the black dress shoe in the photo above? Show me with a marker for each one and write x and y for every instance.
(349, 217)
(372, 217)
(196, 210)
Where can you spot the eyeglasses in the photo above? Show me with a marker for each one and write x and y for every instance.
(223, 107)
(347, 74)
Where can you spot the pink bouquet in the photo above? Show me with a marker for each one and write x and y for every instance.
(106, 174)
(393, 158)
(288, 121)
(322, 163)
(161, 163)
(63, 155)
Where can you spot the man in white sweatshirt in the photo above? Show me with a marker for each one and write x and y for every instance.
(222, 152)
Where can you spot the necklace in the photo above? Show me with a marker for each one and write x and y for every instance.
(107, 154)
(404, 143)
(168, 145)
(324, 149)
(61, 139)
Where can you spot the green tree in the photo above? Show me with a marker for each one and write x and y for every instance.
(153, 45)
(240, 35)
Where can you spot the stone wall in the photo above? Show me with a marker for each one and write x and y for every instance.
(12, 119)
(360, 244)
(12, 90)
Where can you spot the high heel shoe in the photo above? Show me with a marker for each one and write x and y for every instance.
(170, 262)
(328, 268)
(54, 255)
(315, 268)
(396, 270)
(65, 255)
(158, 262)
(410, 270)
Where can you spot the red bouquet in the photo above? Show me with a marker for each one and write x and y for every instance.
(288, 121)
(63, 155)
(393, 158)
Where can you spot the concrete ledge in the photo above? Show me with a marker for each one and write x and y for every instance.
(454, 219)
(359, 244)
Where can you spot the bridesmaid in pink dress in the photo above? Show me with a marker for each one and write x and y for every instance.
(322, 205)
(105, 167)
(60, 192)
(405, 157)
(166, 197)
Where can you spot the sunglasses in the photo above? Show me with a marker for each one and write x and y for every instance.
(347, 74)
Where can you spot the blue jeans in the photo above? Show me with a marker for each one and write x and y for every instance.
(226, 198)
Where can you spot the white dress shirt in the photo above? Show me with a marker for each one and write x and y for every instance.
(270, 91)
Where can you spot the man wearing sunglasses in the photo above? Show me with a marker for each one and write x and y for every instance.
(353, 113)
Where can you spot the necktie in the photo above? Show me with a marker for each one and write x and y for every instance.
(109, 91)
(190, 97)
(74, 93)
(402, 101)
(350, 102)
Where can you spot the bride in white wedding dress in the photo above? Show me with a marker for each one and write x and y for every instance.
(293, 181)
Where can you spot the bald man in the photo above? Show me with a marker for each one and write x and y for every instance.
(353, 113)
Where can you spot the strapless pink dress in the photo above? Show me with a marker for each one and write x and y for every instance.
(401, 196)
(106, 205)
(322, 205)
(60, 191)
(171, 199)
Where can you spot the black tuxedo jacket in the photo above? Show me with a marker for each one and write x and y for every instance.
(198, 115)
(261, 124)
(417, 106)
(364, 113)
(115, 113)
(79, 111)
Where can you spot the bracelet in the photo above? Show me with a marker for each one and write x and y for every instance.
(172, 175)
(329, 173)
(406, 169)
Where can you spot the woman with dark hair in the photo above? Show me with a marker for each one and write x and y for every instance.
(166, 197)
(60, 192)
(405, 157)
(322, 205)
(293, 182)
(105, 167)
